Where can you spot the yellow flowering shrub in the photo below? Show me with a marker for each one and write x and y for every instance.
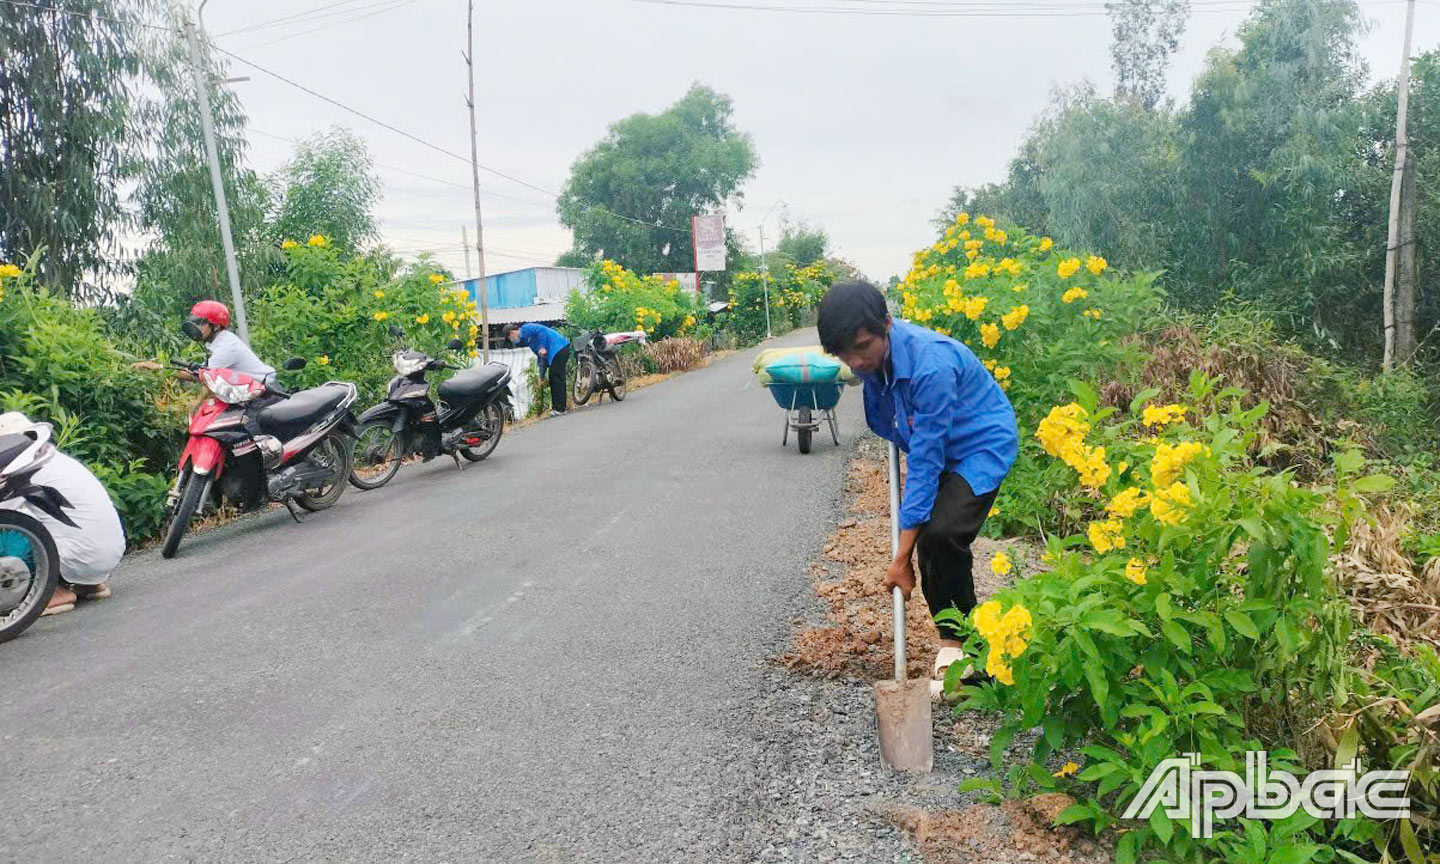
(621, 300)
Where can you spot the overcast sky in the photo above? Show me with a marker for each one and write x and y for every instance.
(863, 123)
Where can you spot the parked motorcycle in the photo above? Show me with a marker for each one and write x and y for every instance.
(29, 562)
(597, 364)
(468, 421)
(261, 443)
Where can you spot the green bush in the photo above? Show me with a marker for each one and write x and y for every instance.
(1187, 601)
(336, 310)
(793, 292)
(57, 365)
(619, 300)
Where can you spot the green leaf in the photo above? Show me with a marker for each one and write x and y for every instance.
(1177, 635)
(1125, 849)
(1374, 483)
(1348, 462)
(1160, 824)
(1075, 813)
(1085, 395)
(1142, 397)
(1255, 840)
(1242, 623)
(1097, 771)
(1298, 853)
(1111, 621)
(1287, 637)
(1410, 843)
(1255, 528)
(1349, 745)
(1162, 605)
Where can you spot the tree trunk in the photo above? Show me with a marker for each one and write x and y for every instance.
(1407, 274)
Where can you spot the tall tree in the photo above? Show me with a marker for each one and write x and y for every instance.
(1146, 33)
(65, 145)
(1268, 153)
(329, 187)
(631, 196)
(173, 199)
(800, 244)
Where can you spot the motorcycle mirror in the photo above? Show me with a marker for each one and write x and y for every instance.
(455, 344)
(396, 331)
(294, 363)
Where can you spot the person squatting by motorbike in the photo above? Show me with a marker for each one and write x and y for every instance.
(90, 548)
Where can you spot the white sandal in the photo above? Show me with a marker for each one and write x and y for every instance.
(943, 658)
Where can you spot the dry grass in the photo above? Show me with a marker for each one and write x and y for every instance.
(676, 354)
(1388, 592)
(1273, 374)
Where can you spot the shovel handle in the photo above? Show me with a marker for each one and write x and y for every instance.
(897, 598)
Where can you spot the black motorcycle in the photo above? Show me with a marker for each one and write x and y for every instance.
(29, 562)
(468, 421)
(597, 367)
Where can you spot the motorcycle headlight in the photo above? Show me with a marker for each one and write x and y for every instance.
(409, 362)
(232, 392)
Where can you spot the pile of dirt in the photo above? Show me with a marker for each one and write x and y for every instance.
(1012, 831)
(854, 642)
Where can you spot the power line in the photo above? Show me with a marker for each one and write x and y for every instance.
(390, 6)
(398, 169)
(304, 14)
(956, 11)
(437, 148)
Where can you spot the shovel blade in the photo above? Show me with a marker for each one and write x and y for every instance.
(903, 714)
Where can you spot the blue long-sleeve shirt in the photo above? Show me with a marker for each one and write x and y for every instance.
(538, 336)
(940, 405)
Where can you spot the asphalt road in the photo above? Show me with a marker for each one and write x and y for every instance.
(547, 656)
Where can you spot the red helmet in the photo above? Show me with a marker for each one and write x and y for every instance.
(212, 311)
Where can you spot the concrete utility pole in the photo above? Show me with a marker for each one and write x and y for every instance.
(765, 268)
(1397, 182)
(465, 245)
(475, 175)
(202, 91)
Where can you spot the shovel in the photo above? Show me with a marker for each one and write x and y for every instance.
(902, 706)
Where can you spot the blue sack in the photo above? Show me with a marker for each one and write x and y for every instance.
(804, 368)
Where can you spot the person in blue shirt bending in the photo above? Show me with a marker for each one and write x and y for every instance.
(931, 396)
(552, 351)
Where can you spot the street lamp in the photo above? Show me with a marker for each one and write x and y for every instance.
(765, 269)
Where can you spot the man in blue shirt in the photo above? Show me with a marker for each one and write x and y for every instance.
(931, 396)
(553, 352)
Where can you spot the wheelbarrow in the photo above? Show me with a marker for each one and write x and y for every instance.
(807, 407)
(806, 383)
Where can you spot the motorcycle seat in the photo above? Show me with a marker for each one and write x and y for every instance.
(289, 418)
(468, 385)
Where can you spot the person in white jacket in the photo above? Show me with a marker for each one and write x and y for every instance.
(91, 549)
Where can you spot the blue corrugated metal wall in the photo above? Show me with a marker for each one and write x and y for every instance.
(506, 290)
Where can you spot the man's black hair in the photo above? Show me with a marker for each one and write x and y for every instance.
(507, 328)
(846, 309)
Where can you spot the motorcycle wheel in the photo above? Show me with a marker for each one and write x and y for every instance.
(44, 573)
(495, 420)
(337, 453)
(584, 382)
(616, 376)
(193, 492)
(375, 458)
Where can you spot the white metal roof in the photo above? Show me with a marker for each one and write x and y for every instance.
(521, 314)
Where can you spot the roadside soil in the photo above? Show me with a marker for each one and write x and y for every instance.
(844, 640)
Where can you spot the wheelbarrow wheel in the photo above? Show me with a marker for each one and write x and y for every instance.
(802, 434)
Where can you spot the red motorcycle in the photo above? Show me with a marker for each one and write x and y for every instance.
(260, 443)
